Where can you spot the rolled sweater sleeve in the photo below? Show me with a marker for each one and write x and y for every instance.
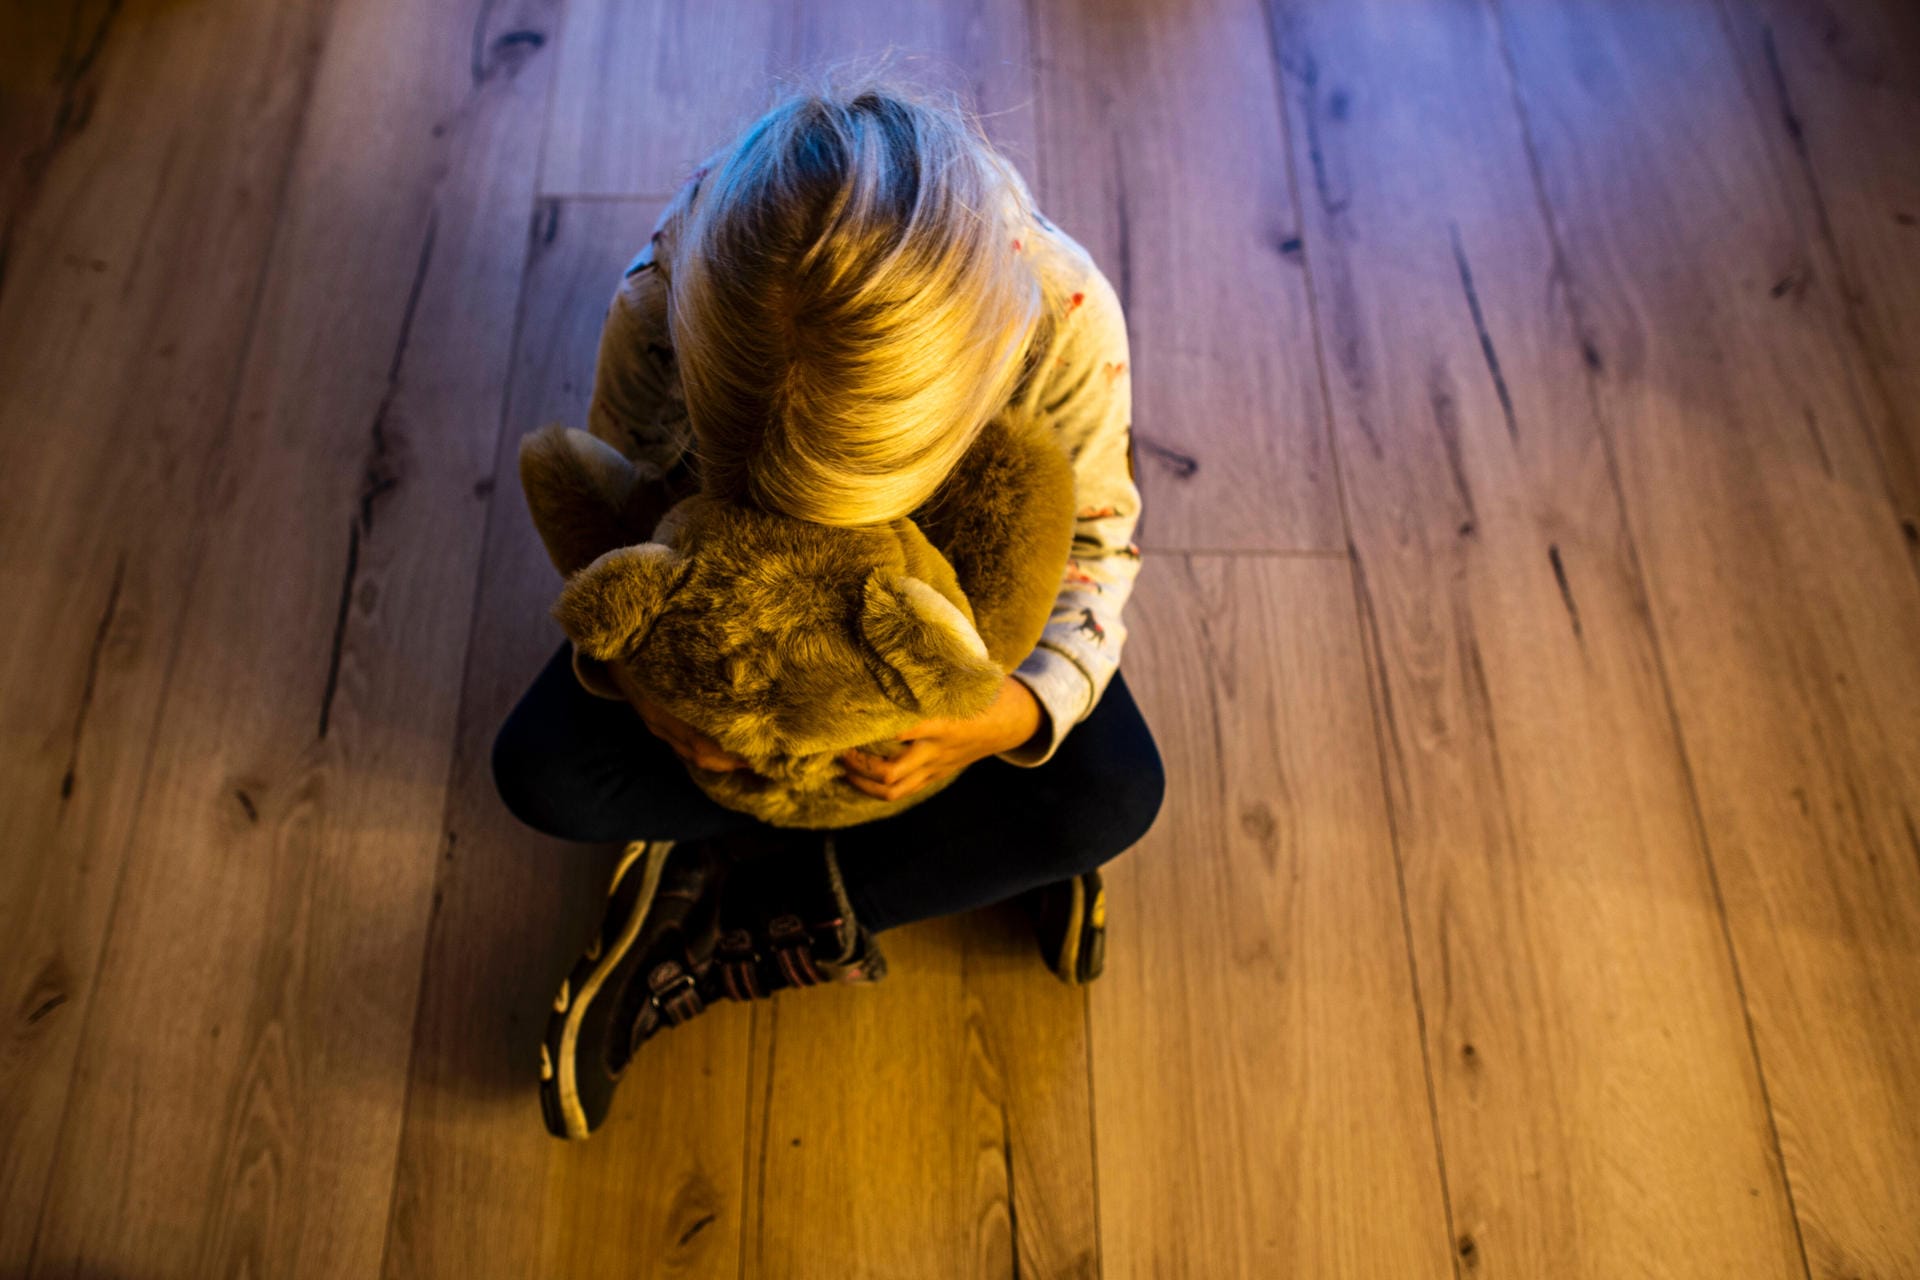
(1089, 401)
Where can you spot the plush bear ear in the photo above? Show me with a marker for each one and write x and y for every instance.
(578, 488)
(932, 661)
(608, 608)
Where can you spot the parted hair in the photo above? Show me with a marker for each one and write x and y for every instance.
(849, 301)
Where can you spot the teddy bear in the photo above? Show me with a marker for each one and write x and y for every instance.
(789, 643)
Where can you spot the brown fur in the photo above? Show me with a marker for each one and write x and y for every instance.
(789, 643)
(1006, 512)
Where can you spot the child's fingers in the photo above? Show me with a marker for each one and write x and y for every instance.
(887, 772)
(707, 747)
(915, 784)
(883, 790)
(660, 727)
(666, 736)
(708, 755)
(682, 747)
(696, 748)
(908, 785)
(897, 778)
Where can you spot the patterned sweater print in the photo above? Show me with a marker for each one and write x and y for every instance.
(1080, 385)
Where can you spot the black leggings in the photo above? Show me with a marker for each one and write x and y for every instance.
(585, 768)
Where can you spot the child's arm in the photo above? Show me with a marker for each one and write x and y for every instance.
(1089, 401)
(637, 405)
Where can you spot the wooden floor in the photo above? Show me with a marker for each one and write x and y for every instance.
(1528, 412)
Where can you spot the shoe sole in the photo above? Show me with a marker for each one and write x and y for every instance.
(559, 1077)
(1092, 958)
(1083, 944)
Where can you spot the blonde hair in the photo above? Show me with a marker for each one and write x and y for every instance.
(848, 301)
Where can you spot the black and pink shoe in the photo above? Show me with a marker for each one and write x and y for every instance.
(686, 926)
(659, 906)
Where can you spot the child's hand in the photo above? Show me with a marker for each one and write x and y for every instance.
(691, 745)
(937, 749)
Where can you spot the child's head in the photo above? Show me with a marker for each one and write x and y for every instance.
(849, 305)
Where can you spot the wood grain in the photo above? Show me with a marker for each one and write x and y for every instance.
(481, 1188)
(238, 1090)
(877, 1140)
(144, 150)
(1261, 1100)
(934, 1124)
(1537, 892)
(1029, 1035)
(1784, 599)
(1836, 85)
(647, 90)
(1160, 151)
(1598, 1118)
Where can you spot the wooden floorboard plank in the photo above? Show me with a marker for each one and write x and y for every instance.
(236, 1105)
(1600, 1111)
(50, 64)
(1785, 602)
(144, 149)
(880, 1139)
(483, 1190)
(647, 90)
(1028, 1034)
(1837, 83)
(1261, 1101)
(1160, 150)
(936, 1124)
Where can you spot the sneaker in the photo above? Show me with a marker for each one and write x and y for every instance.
(1070, 923)
(788, 923)
(685, 927)
(654, 908)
